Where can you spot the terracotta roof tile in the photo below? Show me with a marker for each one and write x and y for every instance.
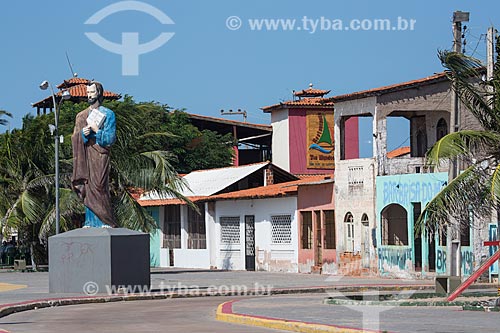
(311, 175)
(167, 202)
(438, 77)
(71, 82)
(311, 92)
(314, 102)
(78, 93)
(269, 191)
(80, 90)
(398, 152)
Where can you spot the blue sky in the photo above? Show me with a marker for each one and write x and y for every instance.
(207, 67)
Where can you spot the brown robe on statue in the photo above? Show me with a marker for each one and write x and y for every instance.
(91, 166)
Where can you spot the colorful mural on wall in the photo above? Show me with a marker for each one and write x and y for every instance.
(407, 190)
(320, 141)
(394, 257)
(467, 260)
(493, 236)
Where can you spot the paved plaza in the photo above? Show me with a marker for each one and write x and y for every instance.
(294, 298)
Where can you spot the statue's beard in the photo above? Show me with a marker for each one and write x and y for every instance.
(92, 100)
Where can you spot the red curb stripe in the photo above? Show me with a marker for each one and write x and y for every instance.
(227, 308)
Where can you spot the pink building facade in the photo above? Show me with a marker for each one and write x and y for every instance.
(303, 133)
(316, 226)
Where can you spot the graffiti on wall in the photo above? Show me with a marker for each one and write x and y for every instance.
(441, 260)
(467, 261)
(394, 258)
(405, 192)
(493, 236)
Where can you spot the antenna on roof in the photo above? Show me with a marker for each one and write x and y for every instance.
(73, 74)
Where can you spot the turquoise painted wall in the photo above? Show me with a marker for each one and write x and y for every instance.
(155, 238)
(493, 249)
(467, 260)
(404, 190)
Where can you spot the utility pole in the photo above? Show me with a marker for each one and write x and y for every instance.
(490, 62)
(490, 55)
(453, 259)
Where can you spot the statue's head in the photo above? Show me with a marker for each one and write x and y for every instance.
(95, 92)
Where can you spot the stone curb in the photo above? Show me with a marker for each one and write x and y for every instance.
(225, 313)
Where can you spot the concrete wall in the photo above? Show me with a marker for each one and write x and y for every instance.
(280, 143)
(355, 192)
(432, 102)
(269, 257)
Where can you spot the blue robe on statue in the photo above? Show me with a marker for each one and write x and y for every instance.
(97, 200)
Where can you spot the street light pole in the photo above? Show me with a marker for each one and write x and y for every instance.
(44, 85)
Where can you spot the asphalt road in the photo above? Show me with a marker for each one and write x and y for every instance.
(170, 315)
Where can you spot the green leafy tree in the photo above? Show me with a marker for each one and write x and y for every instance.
(152, 142)
(476, 190)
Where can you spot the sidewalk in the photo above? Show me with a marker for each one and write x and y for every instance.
(35, 285)
(296, 303)
(308, 313)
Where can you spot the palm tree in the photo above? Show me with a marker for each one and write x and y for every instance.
(27, 193)
(475, 192)
(4, 122)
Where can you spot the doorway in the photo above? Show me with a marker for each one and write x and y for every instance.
(250, 242)
(318, 254)
(365, 241)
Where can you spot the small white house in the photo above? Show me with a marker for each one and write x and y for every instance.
(256, 229)
(216, 236)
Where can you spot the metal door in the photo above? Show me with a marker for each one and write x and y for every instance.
(250, 242)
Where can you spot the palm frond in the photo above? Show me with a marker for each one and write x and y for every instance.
(32, 206)
(69, 206)
(451, 201)
(157, 134)
(463, 71)
(466, 143)
(4, 113)
(131, 215)
(495, 184)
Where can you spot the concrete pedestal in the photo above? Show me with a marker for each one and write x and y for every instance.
(447, 284)
(98, 260)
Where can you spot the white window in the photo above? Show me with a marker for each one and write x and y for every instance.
(281, 229)
(349, 232)
(230, 230)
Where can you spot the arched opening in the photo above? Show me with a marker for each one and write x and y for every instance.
(365, 240)
(349, 232)
(441, 129)
(394, 225)
(364, 219)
